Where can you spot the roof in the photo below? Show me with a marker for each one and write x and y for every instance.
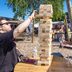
(57, 22)
(7, 18)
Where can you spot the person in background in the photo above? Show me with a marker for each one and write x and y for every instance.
(8, 54)
(62, 36)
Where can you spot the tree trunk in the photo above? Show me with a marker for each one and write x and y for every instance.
(69, 8)
(69, 13)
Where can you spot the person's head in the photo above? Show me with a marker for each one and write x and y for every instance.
(4, 26)
(62, 26)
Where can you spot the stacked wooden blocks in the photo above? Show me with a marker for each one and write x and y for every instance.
(45, 35)
(46, 10)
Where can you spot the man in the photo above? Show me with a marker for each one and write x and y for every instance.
(8, 55)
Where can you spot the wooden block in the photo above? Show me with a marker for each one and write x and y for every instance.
(45, 28)
(43, 53)
(46, 21)
(45, 10)
(48, 45)
(47, 49)
(46, 24)
(45, 39)
(43, 47)
(45, 44)
(43, 58)
(45, 35)
(43, 63)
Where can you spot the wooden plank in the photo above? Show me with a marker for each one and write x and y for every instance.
(59, 64)
(23, 67)
(26, 67)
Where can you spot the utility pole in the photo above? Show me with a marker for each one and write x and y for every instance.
(69, 13)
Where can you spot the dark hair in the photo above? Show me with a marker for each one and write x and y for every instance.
(1, 18)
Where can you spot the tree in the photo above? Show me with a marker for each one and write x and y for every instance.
(18, 6)
(58, 13)
(21, 7)
(68, 8)
(69, 14)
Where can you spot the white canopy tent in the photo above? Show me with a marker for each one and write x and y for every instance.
(36, 25)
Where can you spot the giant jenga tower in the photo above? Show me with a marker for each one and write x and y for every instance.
(45, 34)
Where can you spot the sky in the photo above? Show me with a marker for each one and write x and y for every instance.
(5, 11)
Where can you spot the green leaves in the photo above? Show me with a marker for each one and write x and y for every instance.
(22, 7)
(18, 7)
(57, 9)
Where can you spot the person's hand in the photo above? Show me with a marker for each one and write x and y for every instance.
(33, 15)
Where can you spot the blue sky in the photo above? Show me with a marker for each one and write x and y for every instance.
(4, 10)
(7, 12)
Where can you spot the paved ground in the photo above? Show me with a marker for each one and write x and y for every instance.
(25, 46)
(62, 61)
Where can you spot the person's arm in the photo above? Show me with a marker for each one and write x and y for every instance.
(23, 25)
